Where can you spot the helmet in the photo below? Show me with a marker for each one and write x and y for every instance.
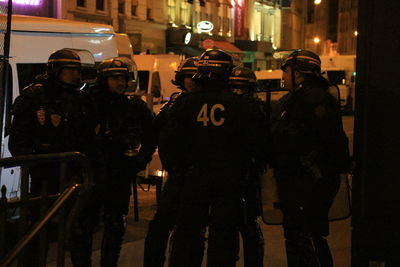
(187, 68)
(214, 64)
(64, 58)
(132, 72)
(303, 61)
(111, 67)
(243, 77)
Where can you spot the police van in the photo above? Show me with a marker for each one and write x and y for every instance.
(270, 81)
(33, 39)
(155, 74)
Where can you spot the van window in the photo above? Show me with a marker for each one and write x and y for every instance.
(143, 80)
(336, 76)
(9, 96)
(269, 85)
(27, 73)
(156, 85)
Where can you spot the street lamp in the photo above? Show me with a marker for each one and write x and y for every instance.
(317, 2)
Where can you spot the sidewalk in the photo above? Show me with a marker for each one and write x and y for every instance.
(132, 251)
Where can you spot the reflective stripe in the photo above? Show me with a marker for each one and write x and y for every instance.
(109, 69)
(65, 60)
(214, 61)
(238, 78)
(311, 60)
(189, 68)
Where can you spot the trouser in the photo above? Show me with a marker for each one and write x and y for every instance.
(113, 194)
(163, 223)
(214, 199)
(44, 178)
(305, 203)
(252, 236)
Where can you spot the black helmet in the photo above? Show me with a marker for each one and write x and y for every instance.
(111, 67)
(214, 64)
(243, 77)
(303, 61)
(64, 58)
(188, 67)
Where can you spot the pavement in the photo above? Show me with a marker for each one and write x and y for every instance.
(132, 250)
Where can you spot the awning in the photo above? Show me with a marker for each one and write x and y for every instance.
(228, 47)
(191, 51)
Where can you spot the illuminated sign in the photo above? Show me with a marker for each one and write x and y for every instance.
(205, 26)
(188, 36)
(24, 2)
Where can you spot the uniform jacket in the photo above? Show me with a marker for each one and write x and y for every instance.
(50, 118)
(123, 123)
(214, 128)
(309, 131)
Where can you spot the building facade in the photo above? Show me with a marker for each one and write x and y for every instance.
(347, 27)
(143, 20)
(257, 29)
(194, 26)
(327, 27)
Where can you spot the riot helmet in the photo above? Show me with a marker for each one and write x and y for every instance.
(64, 58)
(242, 79)
(303, 61)
(187, 68)
(111, 67)
(132, 73)
(214, 64)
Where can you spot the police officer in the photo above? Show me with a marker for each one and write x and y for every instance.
(210, 138)
(308, 157)
(165, 218)
(243, 82)
(51, 115)
(125, 138)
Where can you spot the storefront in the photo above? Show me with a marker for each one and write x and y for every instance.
(184, 42)
(146, 36)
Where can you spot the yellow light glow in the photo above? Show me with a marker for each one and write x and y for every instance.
(317, 2)
(355, 33)
(316, 40)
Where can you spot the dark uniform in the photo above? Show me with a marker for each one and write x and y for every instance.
(125, 140)
(165, 218)
(243, 82)
(50, 116)
(309, 146)
(211, 137)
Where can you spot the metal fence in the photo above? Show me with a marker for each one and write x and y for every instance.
(75, 175)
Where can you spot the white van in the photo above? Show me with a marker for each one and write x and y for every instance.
(340, 71)
(270, 80)
(33, 39)
(155, 74)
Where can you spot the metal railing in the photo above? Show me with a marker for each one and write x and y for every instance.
(67, 185)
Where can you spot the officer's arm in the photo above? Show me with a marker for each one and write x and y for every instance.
(173, 138)
(161, 118)
(21, 140)
(148, 136)
(255, 129)
(321, 127)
